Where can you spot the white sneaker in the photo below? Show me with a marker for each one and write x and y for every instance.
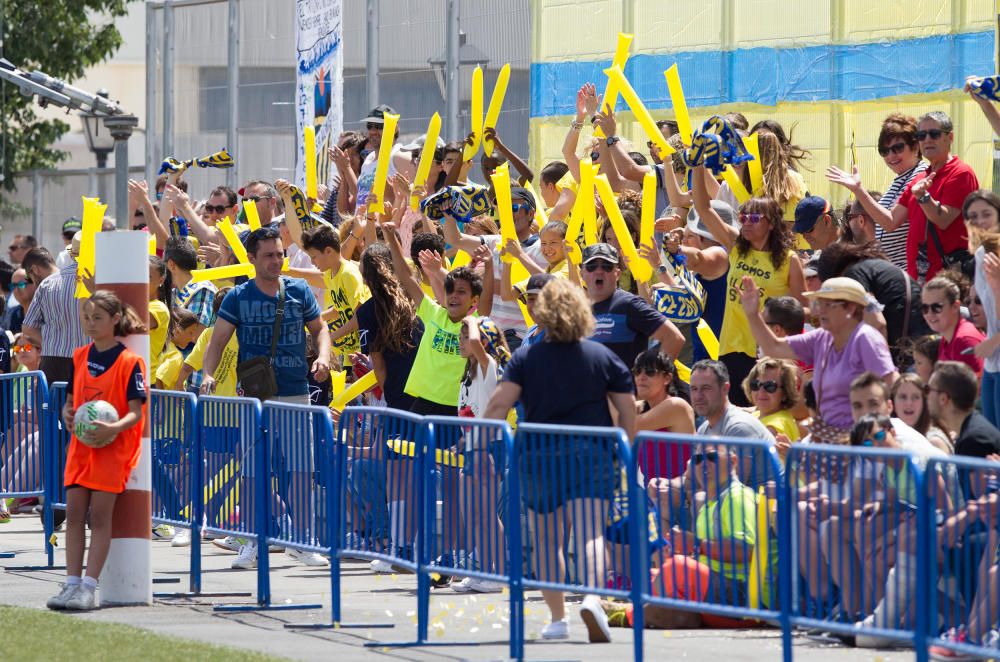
(163, 532)
(380, 567)
(59, 601)
(84, 599)
(864, 640)
(476, 585)
(556, 630)
(229, 543)
(595, 619)
(247, 558)
(307, 558)
(181, 539)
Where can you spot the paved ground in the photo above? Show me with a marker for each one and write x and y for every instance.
(480, 622)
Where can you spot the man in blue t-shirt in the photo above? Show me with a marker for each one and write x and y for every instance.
(625, 322)
(249, 310)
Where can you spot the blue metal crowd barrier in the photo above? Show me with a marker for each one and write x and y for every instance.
(23, 397)
(707, 510)
(962, 502)
(911, 555)
(571, 481)
(855, 512)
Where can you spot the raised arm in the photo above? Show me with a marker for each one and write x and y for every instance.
(403, 271)
(723, 233)
(852, 182)
(770, 344)
(586, 105)
(454, 236)
(284, 189)
(988, 107)
(625, 167)
(525, 172)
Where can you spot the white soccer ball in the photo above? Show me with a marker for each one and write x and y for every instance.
(86, 414)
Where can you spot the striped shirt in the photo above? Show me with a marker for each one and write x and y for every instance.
(54, 310)
(197, 298)
(894, 243)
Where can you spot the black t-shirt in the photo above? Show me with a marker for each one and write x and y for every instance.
(397, 364)
(624, 324)
(887, 283)
(978, 437)
(568, 383)
(100, 362)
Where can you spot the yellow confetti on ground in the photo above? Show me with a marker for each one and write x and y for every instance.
(435, 576)
(491, 608)
(394, 577)
(53, 540)
(336, 625)
(440, 632)
(505, 591)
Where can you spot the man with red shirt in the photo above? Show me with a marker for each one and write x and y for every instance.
(934, 199)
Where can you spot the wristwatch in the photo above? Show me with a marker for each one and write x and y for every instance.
(663, 269)
(611, 140)
(926, 197)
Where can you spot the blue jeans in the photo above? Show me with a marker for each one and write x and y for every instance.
(991, 397)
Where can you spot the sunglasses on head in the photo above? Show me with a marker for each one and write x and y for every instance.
(770, 385)
(710, 456)
(933, 134)
(26, 347)
(896, 148)
(750, 218)
(20, 286)
(877, 437)
(603, 265)
(935, 308)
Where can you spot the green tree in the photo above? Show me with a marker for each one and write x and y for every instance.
(61, 38)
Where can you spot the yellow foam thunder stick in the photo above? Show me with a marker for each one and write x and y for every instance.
(754, 166)
(496, 101)
(309, 143)
(708, 339)
(152, 244)
(639, 267)
(253, 218)
(475, 115)
(426, 158)
(610, 98)
(639, 110)
(243, 268)
(679, 103)
(541, 218)
(735, 184)
(501, 186)
(353, 391)
(648, 221)
(93, 216)
(757, 584)
(382, 167)
(441, 456)
(584, 214)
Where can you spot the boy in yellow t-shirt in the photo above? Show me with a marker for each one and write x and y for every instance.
(225, 374)
(186, 330)
(345, 290)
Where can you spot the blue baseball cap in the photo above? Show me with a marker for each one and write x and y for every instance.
(808, 211)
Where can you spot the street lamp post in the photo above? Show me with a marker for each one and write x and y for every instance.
(120, 127)
(99, 139)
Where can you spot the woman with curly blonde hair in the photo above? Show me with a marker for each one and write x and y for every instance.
(567, 482)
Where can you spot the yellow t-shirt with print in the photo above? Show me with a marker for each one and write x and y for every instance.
(345, 291)
(736, 335)
(225, 373)
(159, 313)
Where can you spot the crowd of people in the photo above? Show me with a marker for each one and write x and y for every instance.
(869, 319)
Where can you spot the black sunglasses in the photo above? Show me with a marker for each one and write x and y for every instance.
(649, 372)
(599, 264)
(935, 308)
(895, 149)
(373, 125)
(933, 133)
(216, 209)
(770, 385)
(138, 213)
(710, 456)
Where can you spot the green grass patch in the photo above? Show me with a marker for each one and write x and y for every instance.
(34, 634)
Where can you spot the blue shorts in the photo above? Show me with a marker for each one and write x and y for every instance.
(554, 474)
